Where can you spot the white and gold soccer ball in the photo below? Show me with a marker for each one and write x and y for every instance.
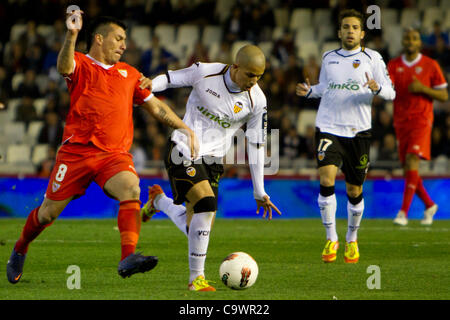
(238, 271)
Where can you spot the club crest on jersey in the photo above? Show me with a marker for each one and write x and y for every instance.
(55, 186)
(191, 171)
(238, 107)
(356, 63)
(123, 72)
(418, 69)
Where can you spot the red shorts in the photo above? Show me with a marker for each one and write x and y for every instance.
(414, 139)
(78, 165)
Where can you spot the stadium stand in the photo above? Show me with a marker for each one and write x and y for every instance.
(166, 34)
(142, 36)
(18, 153)
(40, 152)
(29, 40)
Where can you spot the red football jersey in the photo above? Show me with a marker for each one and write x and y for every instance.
(101, 103)
(412, 107)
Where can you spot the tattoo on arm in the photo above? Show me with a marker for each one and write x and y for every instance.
(166, 118)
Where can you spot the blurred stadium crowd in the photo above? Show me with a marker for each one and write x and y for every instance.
(173, 34)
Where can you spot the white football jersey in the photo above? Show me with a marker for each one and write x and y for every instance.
(345, 106)
(216, 108)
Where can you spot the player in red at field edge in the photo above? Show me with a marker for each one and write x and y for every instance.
(418, 80)
(97, 137)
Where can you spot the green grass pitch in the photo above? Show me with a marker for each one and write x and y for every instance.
(413, 261)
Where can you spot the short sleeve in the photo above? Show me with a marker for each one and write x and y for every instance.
(141, 95)
(78, 65)
(437, 77)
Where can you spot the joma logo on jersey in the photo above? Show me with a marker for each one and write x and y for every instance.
(215, 94)
(213, 117)
(349, 85)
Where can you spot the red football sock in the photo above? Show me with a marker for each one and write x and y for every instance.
(129, 223)
(423, 194)
(411, 179)
(30, 231)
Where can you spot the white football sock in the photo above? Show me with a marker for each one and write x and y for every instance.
(198, 243)
(354, 212)
(327, 206)
(176, 212)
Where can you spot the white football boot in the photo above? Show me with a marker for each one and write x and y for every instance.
(428, 215)
(401, 219)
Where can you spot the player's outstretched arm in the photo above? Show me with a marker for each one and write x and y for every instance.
(267, 205)
(256, 164)
(74, 23)
(165, 114)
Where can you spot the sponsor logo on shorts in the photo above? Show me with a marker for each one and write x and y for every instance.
(321, 155)
(191, 171)
(55, 186)
(363, 162)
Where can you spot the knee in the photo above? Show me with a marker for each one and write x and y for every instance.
(131, 191)
(354, 191)
(47, 214)
(135, 191)
(412, 162)
(326, 181)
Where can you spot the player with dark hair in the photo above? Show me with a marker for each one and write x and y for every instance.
(418, 80)
(97, 138)
(349, 79)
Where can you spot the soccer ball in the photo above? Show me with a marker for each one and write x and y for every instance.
(238, 271)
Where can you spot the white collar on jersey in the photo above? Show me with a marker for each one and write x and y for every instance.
(104, 66)
(344, 52)
(411, 63)
(232, 86)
